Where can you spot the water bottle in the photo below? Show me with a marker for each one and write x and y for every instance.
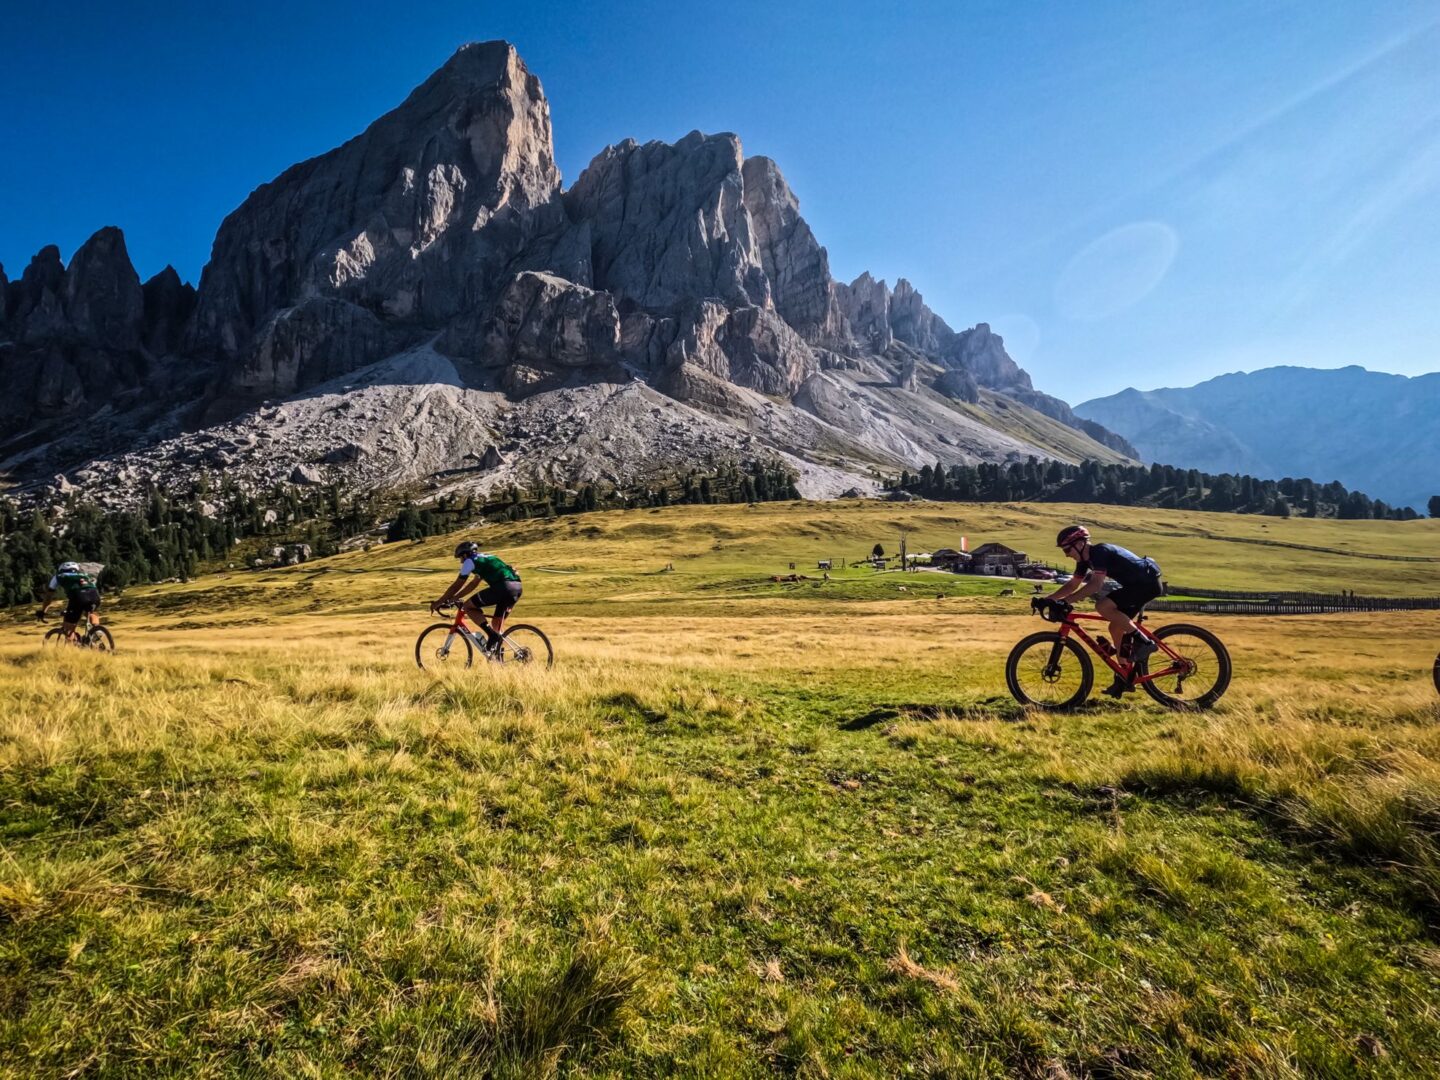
(1103, 644)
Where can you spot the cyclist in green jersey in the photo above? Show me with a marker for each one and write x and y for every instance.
(81, 593)
(502, 587)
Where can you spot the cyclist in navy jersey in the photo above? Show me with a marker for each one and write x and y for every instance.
(1122, 584)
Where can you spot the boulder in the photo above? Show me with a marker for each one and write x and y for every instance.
(306, 474)
(344, 455)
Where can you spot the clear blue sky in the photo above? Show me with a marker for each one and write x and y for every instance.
(1134, 194)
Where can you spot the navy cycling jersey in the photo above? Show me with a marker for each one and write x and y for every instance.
(1124, 567)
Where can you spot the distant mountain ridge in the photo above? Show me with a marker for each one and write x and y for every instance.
(1369, 430)
(426, 304)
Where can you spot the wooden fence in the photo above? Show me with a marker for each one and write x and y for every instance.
(1319, 605)
(1274, 597)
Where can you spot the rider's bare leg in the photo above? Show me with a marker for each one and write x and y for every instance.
(487, 626)
(69, 630)
(1120, 623)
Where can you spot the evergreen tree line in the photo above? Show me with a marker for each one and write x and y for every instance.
(173, 536)
(179, 535)
(756, 482)
(1161, 486)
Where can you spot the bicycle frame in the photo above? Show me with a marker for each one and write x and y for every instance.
(1071, 625)
(458, 625)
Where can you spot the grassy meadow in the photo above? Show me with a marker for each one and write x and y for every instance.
(742, 828)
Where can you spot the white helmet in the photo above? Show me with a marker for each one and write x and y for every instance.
(69, 568)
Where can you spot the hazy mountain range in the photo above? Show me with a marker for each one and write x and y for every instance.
(1375, 432)
(429, 305)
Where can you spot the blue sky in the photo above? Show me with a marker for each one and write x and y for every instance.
(1133, 194)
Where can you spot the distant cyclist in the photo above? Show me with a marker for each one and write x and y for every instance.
(1122, 584)
(502, 587)
(81, 593)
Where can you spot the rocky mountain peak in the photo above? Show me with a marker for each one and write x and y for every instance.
(797, 266)
(104, 303)
(427, 285)
(981, 352)
(443, 190)
(667, 223)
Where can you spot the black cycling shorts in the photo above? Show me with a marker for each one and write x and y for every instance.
(81, 603)
(504, 597)
(1132, 598)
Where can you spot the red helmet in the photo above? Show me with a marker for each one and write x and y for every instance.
(1070, 534)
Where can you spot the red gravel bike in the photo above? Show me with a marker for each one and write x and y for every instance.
(1190, 668)
(455, 644)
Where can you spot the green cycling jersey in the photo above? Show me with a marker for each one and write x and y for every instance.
(491, 569)
(71, 584)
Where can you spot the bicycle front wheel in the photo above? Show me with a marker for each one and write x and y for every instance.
(527, 646)
(440, 646)
(100, 639)
(1196, 676)
(1047, 671)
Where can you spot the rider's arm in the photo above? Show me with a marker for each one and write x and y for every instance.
(1080, 586)
(457, 588)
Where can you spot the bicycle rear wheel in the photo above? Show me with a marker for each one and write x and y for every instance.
(440, 646)
(54, 636)
(525, 645)
(1198, 678)
(100, 639)
(1047, 671)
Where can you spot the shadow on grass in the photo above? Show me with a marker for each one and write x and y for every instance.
(997, 707)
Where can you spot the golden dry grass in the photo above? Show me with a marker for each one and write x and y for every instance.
(739, 829)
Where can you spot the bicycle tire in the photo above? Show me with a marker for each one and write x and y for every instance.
(1221, 655)
(1437, 673)
(1017, 658)
(441, 655)
(100, 639)
(54, 636)
(526, 644)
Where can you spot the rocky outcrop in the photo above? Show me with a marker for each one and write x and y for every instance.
(914, 323)
(310, 343)
(750, 347)
(37, 300)
(797, 266)
(959, 385)
(668, 223)
(104, 303)
(74, 337)
(982, 353)
(865, 304)
(413, 220)
(541, 330)
(169, 303)
(551, 323)
(878, 316)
